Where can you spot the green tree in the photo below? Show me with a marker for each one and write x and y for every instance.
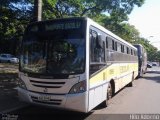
(158, 56)
(18, 13)
(13, 19)
(90, 8)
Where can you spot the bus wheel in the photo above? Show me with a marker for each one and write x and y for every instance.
(109, 94)
(142, 72)
(131, 83)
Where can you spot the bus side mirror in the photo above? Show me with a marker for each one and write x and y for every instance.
(99, 42)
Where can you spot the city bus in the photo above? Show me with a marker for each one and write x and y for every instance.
(73, 64)
(142, 60)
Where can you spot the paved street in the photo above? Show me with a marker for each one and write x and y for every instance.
(142, 98)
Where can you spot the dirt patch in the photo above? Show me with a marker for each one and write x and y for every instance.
(8, 78)
(8, 81)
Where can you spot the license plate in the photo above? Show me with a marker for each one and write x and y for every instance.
(44, 98)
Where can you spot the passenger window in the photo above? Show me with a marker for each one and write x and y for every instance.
(131, 52)
(113, 45)
(116, 46)
(106, 42)
(128, 52)
(97, 53)
(122, 48)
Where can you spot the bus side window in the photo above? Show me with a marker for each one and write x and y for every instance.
(93, 36)
(118, 47)
(97, 52)
(127, 50)
(106, 42)
(131, 52)
(113, 45)
(122, 48)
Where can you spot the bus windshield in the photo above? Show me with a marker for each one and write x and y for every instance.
(54, 52)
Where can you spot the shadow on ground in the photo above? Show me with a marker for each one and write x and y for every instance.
(153, 75)
(154, 72)
(8, 81)
(33, 112)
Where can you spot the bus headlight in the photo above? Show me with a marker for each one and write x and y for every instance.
(21, 84)
(78, 88)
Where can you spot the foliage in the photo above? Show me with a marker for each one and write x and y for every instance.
(12, 22)
(112, 14)
(157, 56)
(90, 8)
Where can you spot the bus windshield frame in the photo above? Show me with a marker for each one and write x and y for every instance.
(54, 48)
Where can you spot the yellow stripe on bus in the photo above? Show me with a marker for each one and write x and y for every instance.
(114, 71)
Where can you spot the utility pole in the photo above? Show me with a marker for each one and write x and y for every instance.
(37, 10)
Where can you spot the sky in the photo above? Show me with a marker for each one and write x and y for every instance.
(146, 19)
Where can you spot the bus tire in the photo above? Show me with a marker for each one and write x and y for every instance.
(109, 95)
(140, 75)
(109, 91)
(131, 83)
(142, 72)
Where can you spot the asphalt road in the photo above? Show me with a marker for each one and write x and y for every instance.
(8, 81)
(142, 98)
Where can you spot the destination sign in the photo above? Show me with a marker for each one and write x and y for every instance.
(63, 26)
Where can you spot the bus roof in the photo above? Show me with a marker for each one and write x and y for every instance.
(109, 32)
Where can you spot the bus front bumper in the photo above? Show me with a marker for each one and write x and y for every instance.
(75, 102)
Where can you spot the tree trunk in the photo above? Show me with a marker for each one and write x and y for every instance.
(37, 10)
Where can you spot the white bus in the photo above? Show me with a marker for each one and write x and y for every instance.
(74, 64)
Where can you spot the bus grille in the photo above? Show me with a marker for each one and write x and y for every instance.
(46, 84)
(51, 101)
